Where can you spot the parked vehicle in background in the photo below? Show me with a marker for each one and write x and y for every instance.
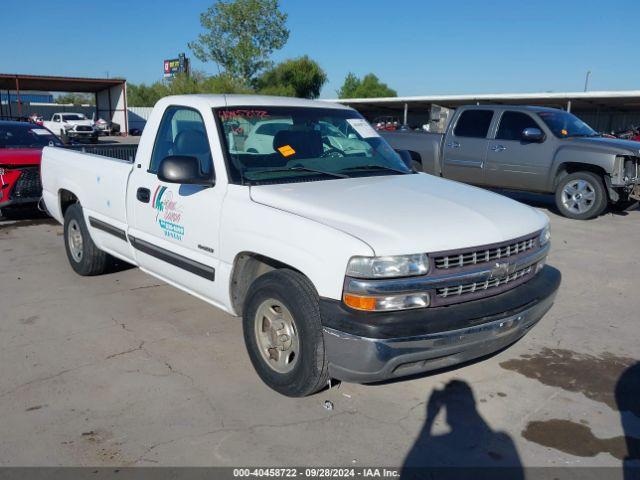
(342, 264)
(631, 133)
(37, 119)
(104, 127)
(72, 126)
(533, 149)
(21, 145)
(260, 136)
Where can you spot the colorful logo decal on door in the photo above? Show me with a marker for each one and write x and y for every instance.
(169, 213)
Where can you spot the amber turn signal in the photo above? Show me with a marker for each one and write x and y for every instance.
(360, 303)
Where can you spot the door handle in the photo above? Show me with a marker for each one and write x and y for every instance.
(498, 148)
(143, 195)
(453, 145)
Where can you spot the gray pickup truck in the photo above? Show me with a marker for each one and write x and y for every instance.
(533, 149)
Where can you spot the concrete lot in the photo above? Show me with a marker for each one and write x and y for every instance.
(124, 370)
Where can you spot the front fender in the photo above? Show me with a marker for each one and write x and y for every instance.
(604, 160)
(318, 251)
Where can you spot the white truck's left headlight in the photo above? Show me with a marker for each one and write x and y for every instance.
(389, 266)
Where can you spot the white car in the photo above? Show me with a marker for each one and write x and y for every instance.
(69, 125)
(260, 138)
(350, 266)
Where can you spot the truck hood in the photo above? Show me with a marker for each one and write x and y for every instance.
(401, 214)
(20, 156)
(618, 145)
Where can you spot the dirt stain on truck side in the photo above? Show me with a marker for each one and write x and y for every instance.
(593, 376)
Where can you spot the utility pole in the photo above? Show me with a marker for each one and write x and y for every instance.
(586, 80)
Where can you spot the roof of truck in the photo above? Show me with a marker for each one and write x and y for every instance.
(213, 101)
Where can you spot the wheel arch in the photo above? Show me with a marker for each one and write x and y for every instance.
(66, 198)
(247, 267)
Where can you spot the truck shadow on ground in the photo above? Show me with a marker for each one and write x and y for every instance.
(468, 444)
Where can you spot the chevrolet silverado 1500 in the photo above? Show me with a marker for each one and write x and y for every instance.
(342, 264)
(534, 149)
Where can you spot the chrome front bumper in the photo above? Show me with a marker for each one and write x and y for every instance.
(362, 359)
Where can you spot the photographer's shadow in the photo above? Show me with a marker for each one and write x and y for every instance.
(470, 442)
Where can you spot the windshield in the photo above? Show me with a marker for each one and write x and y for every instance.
(565, 124)
(73, 116)
(26, 136)
(282, 144)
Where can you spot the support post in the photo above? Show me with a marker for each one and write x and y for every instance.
(19, 100)
(406, 114)
(568, 105)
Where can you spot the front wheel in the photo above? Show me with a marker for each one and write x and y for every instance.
(581, 196)
(283, 333)
(85, 258)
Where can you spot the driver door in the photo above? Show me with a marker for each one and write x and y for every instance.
(173, 228)
(514, 163)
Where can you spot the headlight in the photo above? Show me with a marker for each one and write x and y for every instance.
(387, 267)
(545, 236)
(387, 303)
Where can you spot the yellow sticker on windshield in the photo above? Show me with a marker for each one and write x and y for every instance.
(564, 132)
(286, 150)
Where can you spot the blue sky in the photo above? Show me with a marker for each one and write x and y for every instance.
(417, 47)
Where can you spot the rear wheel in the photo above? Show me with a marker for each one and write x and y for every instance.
(581, 195)
(85, 258)
(283, 333)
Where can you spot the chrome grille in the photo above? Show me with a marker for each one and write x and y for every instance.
(457, 290)
(474, 257)
(83, 128)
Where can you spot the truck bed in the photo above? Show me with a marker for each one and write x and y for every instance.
(424, 147)
(100, 180)
(120, 151)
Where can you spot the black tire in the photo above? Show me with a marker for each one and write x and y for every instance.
(594, 187)
(94, 140)
(294, 291)
(91, 260)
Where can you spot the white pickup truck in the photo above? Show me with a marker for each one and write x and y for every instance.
(72, 126)
(344, 265)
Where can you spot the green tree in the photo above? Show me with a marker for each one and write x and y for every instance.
(369, 87)
(76, 99)
(297, 77)
(147, 95)
(240, 35)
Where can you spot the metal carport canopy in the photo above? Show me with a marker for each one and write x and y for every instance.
(111, 93)
(14, 81)
(623, 99)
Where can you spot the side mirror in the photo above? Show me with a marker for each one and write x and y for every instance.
(532, 134)
(184, 170)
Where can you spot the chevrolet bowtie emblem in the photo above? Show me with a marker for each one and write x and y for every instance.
(501, 270)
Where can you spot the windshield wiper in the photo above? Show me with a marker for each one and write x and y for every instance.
(374, 167)
(305, 169)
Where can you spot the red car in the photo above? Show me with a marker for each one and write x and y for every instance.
(21, 145)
